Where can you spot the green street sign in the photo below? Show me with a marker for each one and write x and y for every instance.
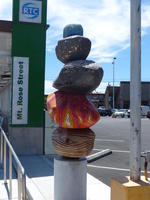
(28, 71)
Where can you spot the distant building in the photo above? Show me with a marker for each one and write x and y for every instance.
(109, 97)
(97, 99)
(5, 65)
(5, 52)
(122, 95)
(125, 94)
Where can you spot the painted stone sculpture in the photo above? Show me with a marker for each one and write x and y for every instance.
(73, 142)
(73, 48)
(69, 106)
(71, 110)
(81, 76)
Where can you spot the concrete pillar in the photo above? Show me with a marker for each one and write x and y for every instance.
(135, 91)
(70, 179)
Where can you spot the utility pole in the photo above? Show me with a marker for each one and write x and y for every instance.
(135, 91)
(113, 81)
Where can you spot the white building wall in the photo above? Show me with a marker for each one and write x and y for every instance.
(5, 100)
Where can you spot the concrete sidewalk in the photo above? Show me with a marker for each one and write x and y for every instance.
(4, 188)
(40, 180)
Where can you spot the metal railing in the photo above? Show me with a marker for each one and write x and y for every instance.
(20, 170)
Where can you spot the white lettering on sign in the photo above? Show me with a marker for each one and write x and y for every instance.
(30, 11)
(20, 90)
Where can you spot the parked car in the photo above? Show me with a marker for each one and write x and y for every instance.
(127, 114)
(109, 112)
(113, 110)
(148, 115)
(119, 113)
(102, 111)
(144, 110)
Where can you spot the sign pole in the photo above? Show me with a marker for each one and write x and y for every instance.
(135, 91)
(113, 82)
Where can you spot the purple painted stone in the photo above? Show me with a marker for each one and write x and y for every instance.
(82, 76)
(73, 48)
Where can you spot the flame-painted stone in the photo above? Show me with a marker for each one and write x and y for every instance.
(81, 77)
(73, 48)
(71, 111)
(73, 143)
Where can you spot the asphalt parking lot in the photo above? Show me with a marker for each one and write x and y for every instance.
(113, 134)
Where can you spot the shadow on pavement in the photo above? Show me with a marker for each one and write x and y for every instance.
(37, 166)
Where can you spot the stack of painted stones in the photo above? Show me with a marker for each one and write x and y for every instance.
(69, 106)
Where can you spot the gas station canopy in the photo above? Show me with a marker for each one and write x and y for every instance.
(5, 52)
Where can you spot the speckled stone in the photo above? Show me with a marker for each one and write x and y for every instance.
(82, 76)
(73, 48)
(72, 29)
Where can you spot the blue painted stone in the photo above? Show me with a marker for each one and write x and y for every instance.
(72, 29)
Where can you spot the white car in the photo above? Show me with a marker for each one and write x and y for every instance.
(119, 113)
(144, 110)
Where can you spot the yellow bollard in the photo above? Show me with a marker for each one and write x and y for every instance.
(145, 169)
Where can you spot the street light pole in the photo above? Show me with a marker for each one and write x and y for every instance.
(113, 81)
(135, 91)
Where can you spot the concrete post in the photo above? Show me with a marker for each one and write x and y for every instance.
(135, 91)
(70, 179)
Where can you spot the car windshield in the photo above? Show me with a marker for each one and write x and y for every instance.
(114, 110)
(122, 110)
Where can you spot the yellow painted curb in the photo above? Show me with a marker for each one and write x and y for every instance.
(123, 188)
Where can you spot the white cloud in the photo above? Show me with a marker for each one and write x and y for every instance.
(101, 88)
(105, 22)
(6, 9)
(103, 85)
(146, 16)
(48, 87)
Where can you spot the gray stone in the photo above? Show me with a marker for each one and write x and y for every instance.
(72, 29)
(73, 48)
(80, 76)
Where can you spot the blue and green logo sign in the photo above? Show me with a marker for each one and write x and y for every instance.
(30, 11)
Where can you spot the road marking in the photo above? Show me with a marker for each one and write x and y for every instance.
(119, 151)
(112, 168)
(106, 140)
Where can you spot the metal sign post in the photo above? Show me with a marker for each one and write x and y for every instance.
(113, 82)
(135, 91)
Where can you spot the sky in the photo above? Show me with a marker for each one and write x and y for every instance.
(106, 23)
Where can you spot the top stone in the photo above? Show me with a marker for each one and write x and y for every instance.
(72, 29)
